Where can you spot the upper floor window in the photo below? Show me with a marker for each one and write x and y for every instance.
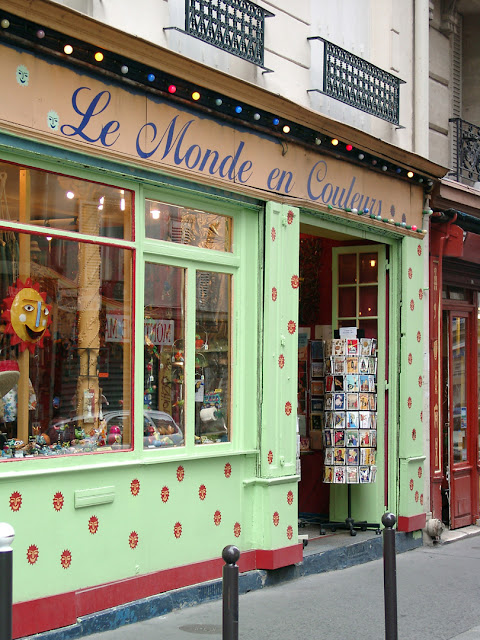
(236, 26)
(65, 321)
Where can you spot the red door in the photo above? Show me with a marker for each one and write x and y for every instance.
(460, 416)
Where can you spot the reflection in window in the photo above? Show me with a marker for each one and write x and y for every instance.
(187, 226)
(212, 357)
(164, 357)
(65, 346)
(32, 196)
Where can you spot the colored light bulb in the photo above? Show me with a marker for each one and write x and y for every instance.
(40, 33)
(348, 147)
(219, 102)
(286, 129)
(150, 77)
(410, 174)
(276, 121)
(334, 142)
(195, 95)
(124, 69)
(172, 88)
(68, 49)
(238, 109)
(98, 56)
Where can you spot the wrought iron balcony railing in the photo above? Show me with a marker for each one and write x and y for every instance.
(466, 151)
(236, 26)
(362, 85)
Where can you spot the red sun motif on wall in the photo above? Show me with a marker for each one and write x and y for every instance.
(237, 529)
(290, 497)
(274, 294)
(419, 472)
(227, 470)
(15, 501)
(202, 492)
(291, 327)
(421, 416)
(416, 496)
(281, 361)
(133, 540)
(289, 532)
(421, 499)
(410, 358)
(177, 530)
(290, 216)
(135, 487)
(420, 294)
(420, 381)
(411, 484)
(66, 559)
(419, 336)
(412, 305)
(276, 519)
(270, 457)
(32, 554)
(410, 273)
(217, 517)
(273, 233)
(419, 249)
(295, 282)
(165, 494)
(58, 501)
(288, 408)
(409, 402)
(180, 473)
(93, 525)
(414, 434)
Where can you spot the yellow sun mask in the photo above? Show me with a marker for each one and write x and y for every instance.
(28, 314)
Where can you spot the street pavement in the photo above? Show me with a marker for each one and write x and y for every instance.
(438, 590)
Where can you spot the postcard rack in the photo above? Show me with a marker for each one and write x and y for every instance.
(349, 417)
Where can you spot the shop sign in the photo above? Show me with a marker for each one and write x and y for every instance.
(159, 331)
(72, 109)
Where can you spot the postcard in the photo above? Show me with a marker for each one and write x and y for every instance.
(364, 420)
(351, 365)
(339, 455)
(372, 365)
(372, 401)
(328, 474)
(363, 402)
(373, 474)
(339, 401)
(352, 420)
(339, 366)
(363, 363)
(364, 474)
(329, 384)
(351, 438)
(318, 404)
(328, 456)
(317, 369)
(318, 421)
(352, 401)
(365, 348)
(367, 456)
(339, 420)
(365, 437)
(339, 346)
(329, 421)
(352, 456)
(327, 438)
(352, 475)
(352, 382)
(340, 475)
(338, 383)
(339, 438)
(352, 347)
(316, 350)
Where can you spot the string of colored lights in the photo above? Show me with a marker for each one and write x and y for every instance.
(31, 36)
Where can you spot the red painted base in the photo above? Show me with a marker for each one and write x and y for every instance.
(54, 612)
(412, 523)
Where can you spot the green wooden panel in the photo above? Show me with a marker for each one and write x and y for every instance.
(280, 335)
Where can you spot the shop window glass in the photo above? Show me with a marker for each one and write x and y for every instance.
(187, 226)
(48, 200)
(164, 374)
(478, 367)
(212, 357)
(65, 345)
(347, 268)
(368, 267)
(347, 302)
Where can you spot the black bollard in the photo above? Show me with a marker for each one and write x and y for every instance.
(7, 535)
(230, 554)
(390, 576)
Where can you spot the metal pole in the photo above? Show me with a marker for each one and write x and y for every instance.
(230, 554)
(7, 534)
(390, 576)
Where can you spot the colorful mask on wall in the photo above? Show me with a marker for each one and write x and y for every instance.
(27, 314)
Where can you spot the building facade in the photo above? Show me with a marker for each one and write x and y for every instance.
(173, 236)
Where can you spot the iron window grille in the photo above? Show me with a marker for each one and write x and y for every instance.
(466, 151)
(361, 85)
(235, 26)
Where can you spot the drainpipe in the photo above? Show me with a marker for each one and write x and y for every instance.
(421, 77)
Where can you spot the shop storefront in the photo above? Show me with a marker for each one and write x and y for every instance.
(454, 358)
(164, 277)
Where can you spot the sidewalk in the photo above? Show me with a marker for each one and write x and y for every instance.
(196, 611)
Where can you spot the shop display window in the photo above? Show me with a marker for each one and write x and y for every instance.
(187, 226)
(65, 319)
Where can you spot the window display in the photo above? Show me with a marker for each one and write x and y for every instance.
(65, 346)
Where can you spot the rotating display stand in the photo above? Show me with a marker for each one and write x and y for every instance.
(350, 524)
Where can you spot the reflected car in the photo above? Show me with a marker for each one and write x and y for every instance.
(159, 430)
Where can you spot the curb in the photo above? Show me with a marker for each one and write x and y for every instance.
(164, 603)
